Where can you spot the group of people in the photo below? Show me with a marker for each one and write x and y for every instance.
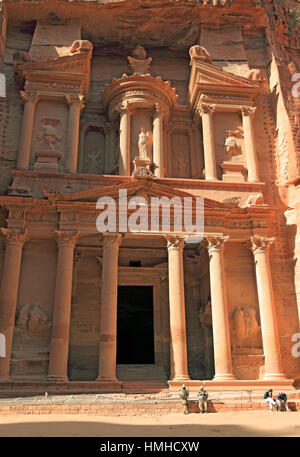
(203, 396)
(282, 400)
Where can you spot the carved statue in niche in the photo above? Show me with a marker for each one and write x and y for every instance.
(139, 62)
(49, 136)
(205, 319)
(231, 144)
(32, 319)
(145, 143)
(143, 162)
(246, 328)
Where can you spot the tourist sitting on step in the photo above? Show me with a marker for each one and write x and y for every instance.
(282, 399)
(268, 397)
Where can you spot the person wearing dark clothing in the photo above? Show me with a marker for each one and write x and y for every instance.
(268, 397)
(282, 399)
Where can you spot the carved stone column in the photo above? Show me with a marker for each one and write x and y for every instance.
(158, 141)
(219, 308)
(107, 150)
(59, 349)
(179, 364)
(124, 159)
(108, 319)
(76, 103)
(250, 146)
(206, 112)
(83, 127)
(273, 366)
(30, 101)
(15, 240)
(197, 164)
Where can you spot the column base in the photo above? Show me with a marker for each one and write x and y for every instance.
(109, 384)
(224, 377)
(5, 379)
(211, 179)
(54, 378)
(274, 377)
(182, 379)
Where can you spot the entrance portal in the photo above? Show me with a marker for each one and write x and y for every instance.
(135, 328)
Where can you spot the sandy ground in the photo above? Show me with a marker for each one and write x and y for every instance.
(252, 423)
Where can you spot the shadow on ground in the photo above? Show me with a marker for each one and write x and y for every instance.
(90, 428)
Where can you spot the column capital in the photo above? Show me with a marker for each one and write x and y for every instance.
(75, 99)
(248, 110)
(259, 244)
(175, 242)
(216, 243)
(31, 97)
(64, 238)
(124, 106)
(15, 236)
(160, 110)
(112, 240)
(205, 108)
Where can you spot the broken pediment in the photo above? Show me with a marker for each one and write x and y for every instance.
(57, 59)
(208, 81)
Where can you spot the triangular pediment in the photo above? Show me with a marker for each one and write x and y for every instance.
(139, 188)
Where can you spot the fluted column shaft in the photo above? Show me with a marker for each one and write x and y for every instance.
(179, 363)
(76, 104)
(206, 112)
(124, 159)
(219, 308)
(108, 319)
(30, 101)
(250, 146)
(9, 292)
(58, 363)
(273, 365)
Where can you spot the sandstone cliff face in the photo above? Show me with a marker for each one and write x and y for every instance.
(240, 35)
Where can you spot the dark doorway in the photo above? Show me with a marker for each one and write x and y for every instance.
(135, 330)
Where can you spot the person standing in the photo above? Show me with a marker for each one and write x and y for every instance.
(202, 399)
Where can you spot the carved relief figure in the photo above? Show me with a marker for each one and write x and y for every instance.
(246, 327)
(231, 144)
(139, 62)
(49, 136)
(255, 199)
(32, 319)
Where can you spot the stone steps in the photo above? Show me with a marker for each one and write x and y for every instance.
(136, 408)
(138, 373)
